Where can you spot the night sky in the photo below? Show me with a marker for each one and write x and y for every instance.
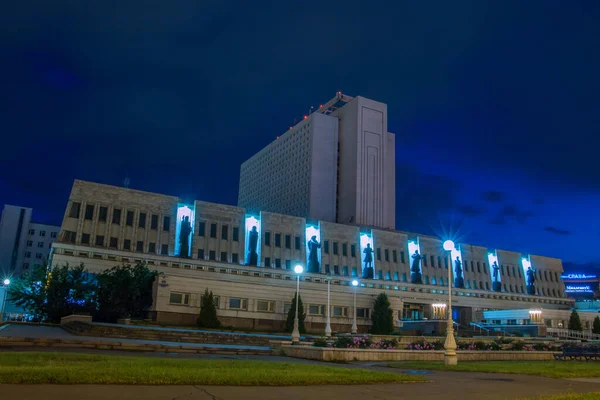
(495, 106)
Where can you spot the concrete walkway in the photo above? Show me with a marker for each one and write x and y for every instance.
(53, 332)
(442, 385)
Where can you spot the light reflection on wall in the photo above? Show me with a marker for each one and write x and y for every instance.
(366, 238)
(183, 211)
(312, 230)
(413, 245)
(493, 257)
(252, 221)
(526, 263)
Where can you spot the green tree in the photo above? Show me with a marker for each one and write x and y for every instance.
(289, 323)
(575, 322)
(124, 292)
(55, 292)
(383, 316)
(596, 327)
(208, 311)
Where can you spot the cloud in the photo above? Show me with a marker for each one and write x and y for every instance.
(493, 196)
(556, 231)
(512, 211)
(469, 210)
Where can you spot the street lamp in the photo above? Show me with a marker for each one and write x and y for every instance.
(354, 327)
(328, 326)
(450, 343)
(296, 334)
(6, 282)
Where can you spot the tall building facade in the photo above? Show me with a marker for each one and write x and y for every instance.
(337, 165)
(246, 258)
(23, 243)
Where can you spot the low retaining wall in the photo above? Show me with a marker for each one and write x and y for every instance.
(16, 342)
(72, 318)
(333, 354)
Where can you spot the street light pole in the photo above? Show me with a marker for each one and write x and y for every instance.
(354, 326)
(296, 333)
(328, 326)
(450, 343)
(5, 284)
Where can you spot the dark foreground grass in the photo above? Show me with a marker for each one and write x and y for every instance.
(552, 369)
(573, 396)
(72, 368)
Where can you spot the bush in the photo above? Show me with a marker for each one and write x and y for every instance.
(596, 326)
(575, 322)
(350, 342)
(289, 323)
(320, 342)
(208, 311)
(425, 345)
(383, 316)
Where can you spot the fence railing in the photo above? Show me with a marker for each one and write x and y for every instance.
(570, 334)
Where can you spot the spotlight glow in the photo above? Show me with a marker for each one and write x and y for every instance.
(354, 282)
(6, 282)
(448, 245)
(298, 269)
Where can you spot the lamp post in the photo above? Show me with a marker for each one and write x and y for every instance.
(450, 343)
(328, 326)
(296, 333)
(5, 283)
(354, 327)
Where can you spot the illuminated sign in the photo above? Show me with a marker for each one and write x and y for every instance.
(578, 276)
(578, 289)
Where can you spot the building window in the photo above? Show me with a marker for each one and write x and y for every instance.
(182, 299)
(99, 240)
(142, 221)
(127, 244)
(344, 249)
(116, 219)
(32, 231)
(336, 270)
(224, 232)
(386, 254)
(152, 247)
(335, 248)
(326, 247)
(278, 240)
(362, 313)
(213, 230)
(297, 242)
(235, 258)
(315, 309)
(402, 257)
(139, 246)
(353, 250)
(265, 306)
(378, 252)
(212, 255)
(288, 241)
(53, 235)
(345, 271)
(69, 236)
(85, 238)
(27, 254)
(40, 244)
(478, 267)
(38, 256)
(29, 243)
(164, 249)
(278, 263)
(288, 264)
(424, 260)
(354, 274)
(103, 214)
(338, 311)
(201, 228)
(74, 211)
(25, 265)
(394, 256)
(89, 212)
(267, 238)
(268, 262)
(238, 304)
(154, 221)
(236, 234)
(166, 224)
(129, 218)
(43, 233)
(223, 256)
(327, 270)
(487, 286)
(201, 254)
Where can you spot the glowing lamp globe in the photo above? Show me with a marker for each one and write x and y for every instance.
(6, 282)
(448, 245)
(298, 269)
(354, 282)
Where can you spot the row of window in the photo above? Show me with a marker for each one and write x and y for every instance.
(138, 246)
(39, 244)
(43, 233)
(235, 231)
(75, 210)
(39, 256)
(287, 240)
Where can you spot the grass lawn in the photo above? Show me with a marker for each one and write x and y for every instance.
(574, 396)
(553, 369)
(71, 368)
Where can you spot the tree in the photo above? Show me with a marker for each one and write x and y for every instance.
(289, 323)
(596, 327)
(208, 311)
(124, 292)
(52, 293)
(575, 322)
(383, 319)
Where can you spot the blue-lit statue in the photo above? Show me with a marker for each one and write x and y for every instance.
(496, 285)
(368, 269)
(252, 243)
(459, 282)
(184, 237)
(530, 281)
(313, 255)
(415, 268)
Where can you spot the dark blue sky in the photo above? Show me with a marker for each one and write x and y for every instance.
(495, 106)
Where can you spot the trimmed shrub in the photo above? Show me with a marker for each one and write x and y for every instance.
(320, 342)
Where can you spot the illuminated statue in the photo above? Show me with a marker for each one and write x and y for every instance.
(184, 237)
(530, 277)
(415, 268)
(459, 282)
(252, 243)
(368, 270)
(496, 271)
(313, 255)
